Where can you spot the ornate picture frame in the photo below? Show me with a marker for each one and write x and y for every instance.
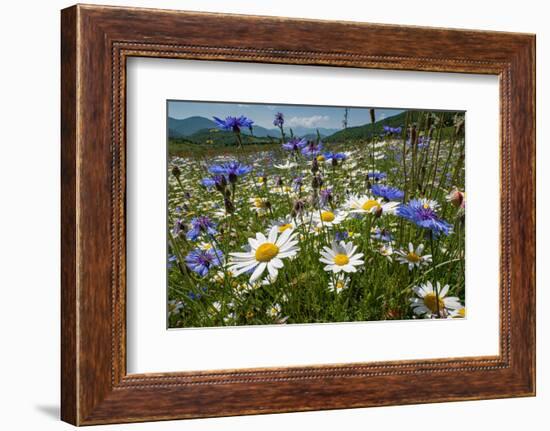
(96, 41)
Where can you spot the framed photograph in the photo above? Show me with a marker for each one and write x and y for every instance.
(260, 217)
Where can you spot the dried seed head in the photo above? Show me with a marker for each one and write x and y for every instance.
(298, 206)
(176, 171)
(316, 182)
(229, 207)
(314, 166)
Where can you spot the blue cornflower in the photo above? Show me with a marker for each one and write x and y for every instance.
(297, 183)
(423, 142)
(201, 224)
(295, 144)
(312, 148)
(422, 213)
(279, 119)
(392, 130)
(341, 236)
(376, 176)
(171, 259)
(325, 196)
(217, 181)
(231, 170)
(382, 235)
(337, 156)
(193, 296)
(208, 182)
(387, 192)
(233, 123)
(200, 261)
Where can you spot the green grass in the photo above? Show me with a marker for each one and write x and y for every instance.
(380, 290)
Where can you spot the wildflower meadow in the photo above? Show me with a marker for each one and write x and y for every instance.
(277, 225)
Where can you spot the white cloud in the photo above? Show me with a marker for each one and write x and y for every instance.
(313, 121)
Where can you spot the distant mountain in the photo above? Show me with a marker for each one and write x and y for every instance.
(220, 137)
(262, 132)
(366, 130)
(182, 128)
(302, 131)
(178, 128)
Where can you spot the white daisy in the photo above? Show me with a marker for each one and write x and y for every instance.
(287, 165)
(268, 280)
(230, 318)
(341, 257)
(458, 314)
(328, 217)
(313, 230)
(429, 301)
(265, 253)
(386, 250)
(174, 307)
(282, 190)
(340, 283)
(258, 204)
(429, 203)
(321, 158)
(284, 224)
(221, 213)
(370, 205)
(205, 245)
(413, 257)
(274, 310)
(261, 181)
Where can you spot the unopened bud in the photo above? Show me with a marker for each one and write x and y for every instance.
(176, 171)
(314, 166)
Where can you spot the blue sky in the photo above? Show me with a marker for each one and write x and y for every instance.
(295, 115)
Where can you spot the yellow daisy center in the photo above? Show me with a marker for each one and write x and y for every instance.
(320, 158)
(341, 260)
(462, 312)
(426, 206)
(430, 301)
(266, 252)
(370, 204)
(327, 216)
(284, 227)
(339, 285)
(413, 257)
(258, 203)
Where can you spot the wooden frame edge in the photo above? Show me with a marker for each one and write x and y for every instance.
(86, 401)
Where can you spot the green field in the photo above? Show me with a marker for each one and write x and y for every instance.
(331, 247)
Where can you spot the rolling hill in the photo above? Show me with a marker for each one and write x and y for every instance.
(366, 130)
(186, 127)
